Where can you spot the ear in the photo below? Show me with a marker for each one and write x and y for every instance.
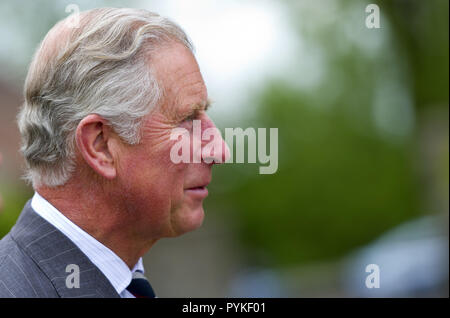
(95, 141)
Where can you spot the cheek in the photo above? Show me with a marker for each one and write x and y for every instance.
(153, 192)
(151, 178)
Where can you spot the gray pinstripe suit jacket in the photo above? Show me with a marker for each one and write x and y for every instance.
(33, 260)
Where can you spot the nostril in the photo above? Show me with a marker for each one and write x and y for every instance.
(222, 154)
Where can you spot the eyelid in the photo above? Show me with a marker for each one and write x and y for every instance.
(194, 115)
(196, 112)
(190, 117)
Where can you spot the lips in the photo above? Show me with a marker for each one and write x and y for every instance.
(199, 190)
(200, 183)
(196, 188)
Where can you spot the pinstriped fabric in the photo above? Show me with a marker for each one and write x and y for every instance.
(34, 259)
(112, 266)
(19, 275)
(6, 289)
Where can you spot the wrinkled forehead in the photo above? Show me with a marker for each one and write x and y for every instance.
(177, 71)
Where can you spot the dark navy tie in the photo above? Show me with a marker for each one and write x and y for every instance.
(140, 287)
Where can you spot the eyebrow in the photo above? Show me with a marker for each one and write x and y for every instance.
(197, 108)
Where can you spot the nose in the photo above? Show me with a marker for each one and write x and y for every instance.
(223, 153)
(214, 149)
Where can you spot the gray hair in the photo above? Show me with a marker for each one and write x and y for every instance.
(101, 67)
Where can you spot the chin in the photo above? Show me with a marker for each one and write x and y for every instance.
(191, 220)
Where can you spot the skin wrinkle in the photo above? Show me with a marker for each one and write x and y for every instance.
(172, 110)
(192, 112)
(147, 199)
(67, 79)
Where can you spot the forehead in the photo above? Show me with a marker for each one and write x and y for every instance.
(178, 73)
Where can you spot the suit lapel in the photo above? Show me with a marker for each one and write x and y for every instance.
(53, 252)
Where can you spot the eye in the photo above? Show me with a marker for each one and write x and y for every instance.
(188, 121)
(190, 118)
(195, 115)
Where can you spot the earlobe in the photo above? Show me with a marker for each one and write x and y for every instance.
(93, 141)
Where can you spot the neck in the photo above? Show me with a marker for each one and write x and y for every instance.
(102, 218)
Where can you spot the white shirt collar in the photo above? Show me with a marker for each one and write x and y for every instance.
(111, 265)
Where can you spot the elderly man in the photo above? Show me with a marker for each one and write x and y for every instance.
(101, 101)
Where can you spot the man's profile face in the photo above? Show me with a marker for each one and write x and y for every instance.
(161, 195)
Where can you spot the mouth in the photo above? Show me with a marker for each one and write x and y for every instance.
(199, 191)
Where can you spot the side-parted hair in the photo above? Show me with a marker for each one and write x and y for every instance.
(102, 66)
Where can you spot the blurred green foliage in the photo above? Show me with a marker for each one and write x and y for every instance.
(347, 168)
(343, 179)
(335, 188)
(422, 30)
(14, 198)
